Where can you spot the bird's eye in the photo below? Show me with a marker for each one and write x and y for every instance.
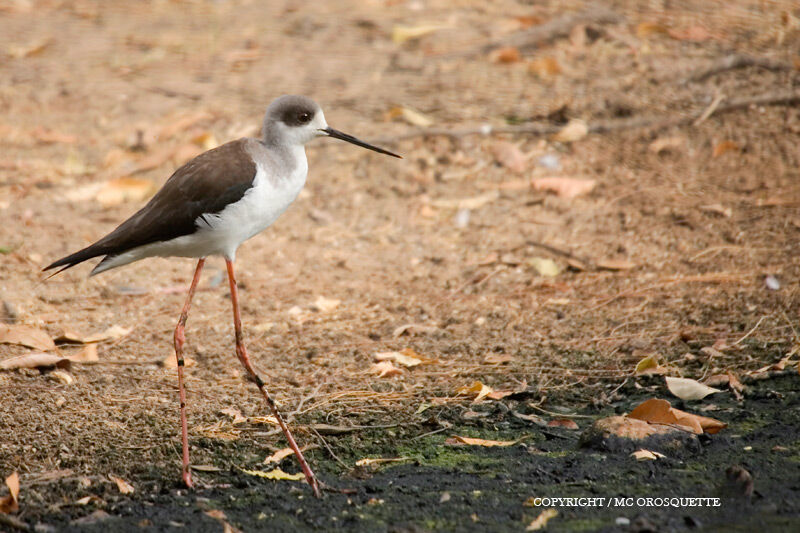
(304, 118)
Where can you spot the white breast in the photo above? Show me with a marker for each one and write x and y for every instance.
(261, 205)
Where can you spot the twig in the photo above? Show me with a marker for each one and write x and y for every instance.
(736, 61)
(709, 110)
(786, 97)
(553, 29)
(760, 320)
(559, 252)
(324, 443)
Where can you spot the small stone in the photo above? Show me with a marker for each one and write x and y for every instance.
(772, 283)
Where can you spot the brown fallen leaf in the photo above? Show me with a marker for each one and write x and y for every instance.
(385, 369)
(413, 329)
(279, 456)
(123, 486)
(111, 334)
(505, 54)
(35, 360)
(407, 357)
(26, 336)
(477, 389)
(236, 415)
(170, 361)
(695, 34)
(658, 411)
(457, 440)
(510, 156)
(497, 359)
(564, 187)
(649, 29)
(575, 130)
(540, 522)
(125, 189)
(86, 356)
(647, 455)
(615, 264)
(10, 503)
(29, 50)
(725, 147)
(544, 67)
(562, 423)
(667, 144)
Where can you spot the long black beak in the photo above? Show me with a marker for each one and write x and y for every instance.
(336, 134)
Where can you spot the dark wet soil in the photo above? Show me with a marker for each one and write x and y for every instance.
(465, 488)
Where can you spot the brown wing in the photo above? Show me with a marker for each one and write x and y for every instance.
(204, 185)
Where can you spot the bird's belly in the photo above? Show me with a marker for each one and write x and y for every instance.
(258, 209)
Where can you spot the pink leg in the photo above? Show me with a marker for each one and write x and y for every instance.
(241, 353)
(180, 340)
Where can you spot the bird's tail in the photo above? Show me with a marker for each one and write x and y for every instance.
(73, 259)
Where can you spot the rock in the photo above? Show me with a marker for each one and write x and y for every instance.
(623, 435)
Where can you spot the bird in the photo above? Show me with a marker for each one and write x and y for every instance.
(209, 207)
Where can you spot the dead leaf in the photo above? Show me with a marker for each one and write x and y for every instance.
(649, 365)
(564, 187)
(725, 147)
(385, 369)
(49, 136)
(510, 156)
(368, 461)
(325, 305)
(170, 361)
(544, 67)
(123, 486)
(467, 203)
(412, 116)
(647, 455)
(667, 144)
(477, 389)
(236, 415)
(457, 440)
(276, 474)
(505, 54)
(413, 329)
(86, 356)
(407, 357)
(216, 514)
(35, 360)
(10, 503)
(125, 189)
(279, 456)
(62, 376)
(29, 50)
(26, 336)
(265, 419)
(497, 359)
(562, 423)
(648, 29)
(111, 334)
(717, 209)
(658, 411)
(540, 522)
(689, 389)
(401, 34)
(695, 34)
(575, 130)
(544, 267)
(615, 264)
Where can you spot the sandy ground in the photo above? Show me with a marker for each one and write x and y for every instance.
(94, 92)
